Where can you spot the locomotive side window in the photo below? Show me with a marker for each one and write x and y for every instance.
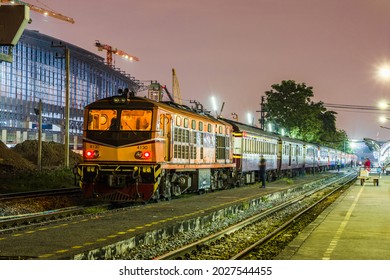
(136, 120)
(178, 121)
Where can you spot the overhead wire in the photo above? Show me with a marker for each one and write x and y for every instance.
(346, 107)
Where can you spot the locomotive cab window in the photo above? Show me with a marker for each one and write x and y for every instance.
(102, 119)
(136, 120)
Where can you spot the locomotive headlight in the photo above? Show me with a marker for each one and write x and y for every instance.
(119, 100)
(138, 155)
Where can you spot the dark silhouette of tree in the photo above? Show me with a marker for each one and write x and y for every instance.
(288, 105)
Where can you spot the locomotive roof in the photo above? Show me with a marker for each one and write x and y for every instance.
(148, 103)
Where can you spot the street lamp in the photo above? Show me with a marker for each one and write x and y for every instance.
(384, 72)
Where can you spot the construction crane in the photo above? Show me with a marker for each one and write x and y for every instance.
(220, 111)
(46, 12)
(110, 51)
(176, 88)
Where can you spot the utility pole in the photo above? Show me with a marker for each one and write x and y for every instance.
(262, 113)
(38, 112)
(67, 105)
(67, 99)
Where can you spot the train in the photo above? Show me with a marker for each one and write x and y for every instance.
(141, 149)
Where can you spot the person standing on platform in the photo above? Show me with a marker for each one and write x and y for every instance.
(367, 164)
(262, 171)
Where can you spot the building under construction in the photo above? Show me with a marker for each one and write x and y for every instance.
(38, 72)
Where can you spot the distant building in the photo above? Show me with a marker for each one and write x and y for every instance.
(38, 73)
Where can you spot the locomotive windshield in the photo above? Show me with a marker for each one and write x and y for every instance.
(129, 120)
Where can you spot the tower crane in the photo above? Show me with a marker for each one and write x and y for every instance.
(46, 12)
(110, 51)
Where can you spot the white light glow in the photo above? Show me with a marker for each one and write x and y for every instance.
(384, 72)
(214, 103)
(382, 119)
(249, 116)
(270, 127)
(383, 105)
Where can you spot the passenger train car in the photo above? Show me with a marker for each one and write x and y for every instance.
(138, 149)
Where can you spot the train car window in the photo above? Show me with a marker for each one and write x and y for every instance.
(179, 134)
(186, 152)
(136, 120)
(193, 152)
(175, 151)
(187, 134)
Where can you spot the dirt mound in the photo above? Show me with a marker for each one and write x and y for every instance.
(12, 162)
(24, 157)
(53, 154)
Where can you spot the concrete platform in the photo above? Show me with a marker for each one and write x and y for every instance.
(356, 227)
(109, 235)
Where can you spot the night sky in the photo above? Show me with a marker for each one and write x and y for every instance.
(236, 49)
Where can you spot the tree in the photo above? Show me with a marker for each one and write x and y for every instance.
(289, 106)
(329, 131)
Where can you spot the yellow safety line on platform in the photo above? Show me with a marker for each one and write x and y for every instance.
(333, 244)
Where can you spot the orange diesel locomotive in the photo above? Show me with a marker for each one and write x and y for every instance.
(137, 149)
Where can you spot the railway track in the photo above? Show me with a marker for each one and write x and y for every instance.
(34, 194)
(241, 240)
(21, 222)
(28, 218)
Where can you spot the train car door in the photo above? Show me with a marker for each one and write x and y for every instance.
(166, 126)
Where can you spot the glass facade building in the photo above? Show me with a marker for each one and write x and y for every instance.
(38, 73)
